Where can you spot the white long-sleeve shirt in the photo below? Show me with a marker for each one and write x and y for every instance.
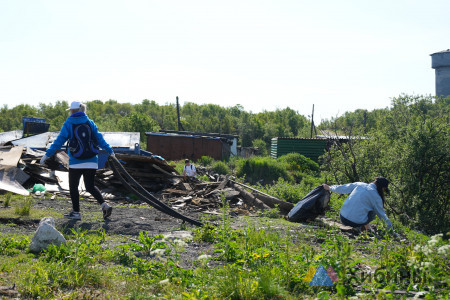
(363, 198)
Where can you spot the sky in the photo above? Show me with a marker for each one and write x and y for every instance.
(264, 55)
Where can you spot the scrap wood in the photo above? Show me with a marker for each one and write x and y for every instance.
(206, 184)
(8, 181)
(268, 199)
(249, 198)
(164, 171)
(62, 158)
(174, 191)
(146, 174)
(149, 159)
(221, 186)
(41, 173)
(9, 156)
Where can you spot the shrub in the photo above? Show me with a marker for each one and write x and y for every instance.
(206, 160)
(298, 162)
(220, 168)
(259, 168)
(286, 191)
(261, 145)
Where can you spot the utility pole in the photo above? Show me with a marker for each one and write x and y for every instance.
(312, 121)
(180, 126)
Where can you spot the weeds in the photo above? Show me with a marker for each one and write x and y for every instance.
(263, 259)
(7, 199)
(24, 207)
(271, 213)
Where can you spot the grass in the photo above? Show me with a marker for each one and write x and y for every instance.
(251, 258)
(23, 208)
(263, 259)
(33, 214)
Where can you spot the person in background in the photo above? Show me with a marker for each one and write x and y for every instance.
(189, 169)
(78, 167)
(366, 200)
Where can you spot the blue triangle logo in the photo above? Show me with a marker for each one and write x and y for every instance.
(321, 278)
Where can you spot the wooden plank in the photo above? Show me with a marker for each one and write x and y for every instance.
(249, 198)
(174, 191)
(10, 157)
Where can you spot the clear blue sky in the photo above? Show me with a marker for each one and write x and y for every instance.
(338, 55)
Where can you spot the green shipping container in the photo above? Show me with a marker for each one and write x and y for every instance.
(311, 148)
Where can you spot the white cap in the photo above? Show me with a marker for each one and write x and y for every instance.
(74, 105)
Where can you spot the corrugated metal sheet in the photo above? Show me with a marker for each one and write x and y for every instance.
(174, 147)
(311, 148)
(44, 140)
(10, 135)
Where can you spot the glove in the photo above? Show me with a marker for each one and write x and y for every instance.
(43, 159)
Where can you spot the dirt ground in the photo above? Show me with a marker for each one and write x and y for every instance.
(124, 224)
(126, 219)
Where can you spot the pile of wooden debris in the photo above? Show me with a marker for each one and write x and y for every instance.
(20, 171)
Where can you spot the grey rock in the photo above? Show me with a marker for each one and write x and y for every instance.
(46, 235)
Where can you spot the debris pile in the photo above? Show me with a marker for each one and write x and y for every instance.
(20, 171)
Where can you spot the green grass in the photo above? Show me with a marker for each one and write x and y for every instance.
(251, 258)
(33, 214)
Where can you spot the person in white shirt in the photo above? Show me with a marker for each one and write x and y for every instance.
(189, 169)
(366, 200)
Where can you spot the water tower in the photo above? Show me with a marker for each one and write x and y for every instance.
(440, 61)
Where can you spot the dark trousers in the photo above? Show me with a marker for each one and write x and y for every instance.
(371, 216)
(74, 181)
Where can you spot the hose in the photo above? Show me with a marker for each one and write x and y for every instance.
(143, 194)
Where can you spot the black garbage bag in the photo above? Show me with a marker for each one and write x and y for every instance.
(314, 204)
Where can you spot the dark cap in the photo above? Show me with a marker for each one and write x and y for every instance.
(382, 183)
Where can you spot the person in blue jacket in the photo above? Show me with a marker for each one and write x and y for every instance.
(80, 167)
(366, 200)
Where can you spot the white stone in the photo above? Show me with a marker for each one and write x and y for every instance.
(180, 243)
(183, 235)
(157, 252)
(204, 257)
(46, 235)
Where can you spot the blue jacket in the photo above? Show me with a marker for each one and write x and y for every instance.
(363, 198)
(66, 134)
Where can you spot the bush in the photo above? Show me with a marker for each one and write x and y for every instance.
(287, 191)
(221, 168)
(298, 162)
(261, 145)
(265, 169)
(206, 161)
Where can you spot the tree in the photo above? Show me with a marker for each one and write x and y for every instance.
(411, 149)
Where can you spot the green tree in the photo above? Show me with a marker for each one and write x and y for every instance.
(412, 150)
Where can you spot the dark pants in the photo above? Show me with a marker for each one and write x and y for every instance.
(371, 216)
(74, 181)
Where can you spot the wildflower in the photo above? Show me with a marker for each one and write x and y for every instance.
(256, 255)
(433, 242)
(444, 249)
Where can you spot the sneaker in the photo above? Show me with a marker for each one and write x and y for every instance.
(73, 215)
(107, 210)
